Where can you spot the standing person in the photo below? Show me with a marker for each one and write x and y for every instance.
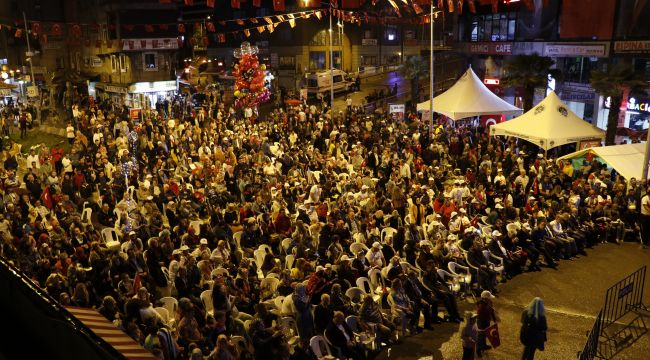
(469, 335)
(645, 218)
(533, 328)
(348, 103)
(70, 134)
(485, 315)
(23, 124)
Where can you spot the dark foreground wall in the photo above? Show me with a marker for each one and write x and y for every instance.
(35, 326)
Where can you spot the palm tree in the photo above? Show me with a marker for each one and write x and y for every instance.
(529, 72)
(611, 83)
(414, 69)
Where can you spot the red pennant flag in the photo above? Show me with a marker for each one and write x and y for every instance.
(247, 32)
(209, 26)
(417, 9)
(189, 2)
(495, 6)
(335, 3)
(163, 26)
(450, 5)
(318, 15)
(460, 7)
(441, 4)
(292, 23)
(278, 5)
(270, 28)
(154, 43)
(239, 22)
(260, 29)
(472, 6)
(131, 44)
(209, 3)
(75, 29)
(221, 37)
(181, 28)
(148, 28)
(36, 28)
(254, 20)
(143, 44)
(235, 4)
(257, 3)
(56, 30)
(268, 20)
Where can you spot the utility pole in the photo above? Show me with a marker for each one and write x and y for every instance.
(30, 55)
(331, 64)
(646, 157)
(431, 74)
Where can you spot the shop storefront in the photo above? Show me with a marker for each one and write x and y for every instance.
(144, 95)
(115, 92)
(635, 115)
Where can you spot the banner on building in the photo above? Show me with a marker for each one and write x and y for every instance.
(397, 111)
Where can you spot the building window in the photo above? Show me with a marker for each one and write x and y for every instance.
(368, 60)
(124, 63)
(498, 27)
(317, 60)
(287, 62)
(337, 59)
(114, 63)
(149, 61)
(391, 33)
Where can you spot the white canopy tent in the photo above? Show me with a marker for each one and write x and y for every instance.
(469, 97)
(549, 124)
(626, 159)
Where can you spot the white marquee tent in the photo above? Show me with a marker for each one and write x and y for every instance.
(469, 97)
(626, 159)
(549, 124)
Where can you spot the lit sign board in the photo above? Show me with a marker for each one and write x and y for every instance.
(633, 104)
(489, 81)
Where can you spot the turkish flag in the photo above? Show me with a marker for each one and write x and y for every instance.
(450, 5)
(350, 4)
(257, 3)
(36, 28)
(137, 282)
(278, 5)
(189, 2)
(47, 198)
(181, 28)
(492, 334)
(148, 28)
(235, 4)
(221, 38)
(209, 26)
(460, 7)
(56, 30)
(495, 6)
(209, 3)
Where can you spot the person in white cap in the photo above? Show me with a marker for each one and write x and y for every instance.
(375, 257)
(454, 223)
(485, 316)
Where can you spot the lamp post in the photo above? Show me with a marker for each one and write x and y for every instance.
(29, 50)
(431, 72)
(646, 157)
(331, 63)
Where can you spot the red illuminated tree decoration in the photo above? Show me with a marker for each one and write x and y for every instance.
(250, 86)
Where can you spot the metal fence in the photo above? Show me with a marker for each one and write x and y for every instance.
(590, 351)
(623, 297)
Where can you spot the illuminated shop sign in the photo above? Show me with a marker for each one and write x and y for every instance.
(633, 104)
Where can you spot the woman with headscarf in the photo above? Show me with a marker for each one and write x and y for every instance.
(469, 335)
(304, 318)
(533, 328)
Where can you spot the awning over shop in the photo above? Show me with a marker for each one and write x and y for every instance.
(626, 159)
(153, 86)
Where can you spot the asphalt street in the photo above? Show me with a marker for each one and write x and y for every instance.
(573, 295)
(377, 82)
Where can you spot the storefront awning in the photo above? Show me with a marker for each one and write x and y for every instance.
(153, 86)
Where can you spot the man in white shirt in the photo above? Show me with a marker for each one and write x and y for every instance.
(33, 160)
(645, 218)
(375, 257)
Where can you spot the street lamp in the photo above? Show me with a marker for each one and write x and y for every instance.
(431, 72)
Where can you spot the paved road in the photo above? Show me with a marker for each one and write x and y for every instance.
(573, 295)
(378, 82)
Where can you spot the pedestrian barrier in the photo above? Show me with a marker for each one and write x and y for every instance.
(590, 349)
(621, 320)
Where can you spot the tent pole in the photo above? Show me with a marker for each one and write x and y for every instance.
(646, 157)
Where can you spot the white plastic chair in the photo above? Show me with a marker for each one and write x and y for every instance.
(355, 294)
(355, 247)
(320, 348)
(259, 257)
(270, 283)
(86, 215)
(289, 260)
(237, 237)
(387, 231)
(290, 329)
(206, 298)
(164, 314)
(285, 244)
(278, 302)
(288, 309)
(171, 304)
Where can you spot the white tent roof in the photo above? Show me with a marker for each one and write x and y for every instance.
(469, 97)
(626, 159)
(549, 124)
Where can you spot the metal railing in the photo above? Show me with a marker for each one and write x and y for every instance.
(624, 297)
(590, 350)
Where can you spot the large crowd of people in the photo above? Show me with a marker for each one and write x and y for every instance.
(306, 230)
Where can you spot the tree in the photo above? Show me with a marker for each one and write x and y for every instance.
(414, 69)
(611, 83)
(529, 72)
